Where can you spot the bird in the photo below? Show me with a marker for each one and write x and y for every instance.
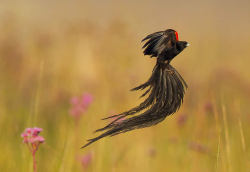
(164, 89)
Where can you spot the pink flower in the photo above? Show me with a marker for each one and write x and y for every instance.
(36, 131)
(86, 159)
(208, 107)
(79, 105)
(31, 138)
(36, 140)
(87, 99)
(182, 119)
(25, 137)
(29, 130)
(30, 135)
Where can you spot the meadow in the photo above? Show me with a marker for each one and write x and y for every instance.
(47, 64)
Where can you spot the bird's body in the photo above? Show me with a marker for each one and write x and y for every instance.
(165, 87)
(164, 45)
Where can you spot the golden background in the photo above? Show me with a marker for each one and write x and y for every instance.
(51, 51)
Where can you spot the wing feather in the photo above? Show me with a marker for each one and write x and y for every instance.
(159, 42)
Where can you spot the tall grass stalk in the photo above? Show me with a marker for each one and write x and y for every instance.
(242, 135)
(218, 128)
(38, 90)
(228, 148)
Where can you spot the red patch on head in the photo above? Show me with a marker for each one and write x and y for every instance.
(176, 35)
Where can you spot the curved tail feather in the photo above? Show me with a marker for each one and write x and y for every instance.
(166, 89)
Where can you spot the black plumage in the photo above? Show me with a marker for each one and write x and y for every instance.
(165, 88)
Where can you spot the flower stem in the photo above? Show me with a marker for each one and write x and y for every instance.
(34, 161)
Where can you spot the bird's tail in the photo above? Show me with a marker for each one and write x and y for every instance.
(166, 90)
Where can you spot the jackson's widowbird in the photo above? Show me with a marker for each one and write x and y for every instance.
(165, 88)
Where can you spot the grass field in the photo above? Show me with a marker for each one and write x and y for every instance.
(50, 54)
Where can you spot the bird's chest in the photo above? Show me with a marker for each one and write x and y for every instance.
(170, 54)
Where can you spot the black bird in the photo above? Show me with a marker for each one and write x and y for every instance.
(165, 88)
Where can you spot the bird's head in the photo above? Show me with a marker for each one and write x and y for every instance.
(181, 45)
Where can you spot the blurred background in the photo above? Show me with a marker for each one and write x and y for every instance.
(52, 53)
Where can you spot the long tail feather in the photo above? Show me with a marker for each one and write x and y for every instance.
(166, 89)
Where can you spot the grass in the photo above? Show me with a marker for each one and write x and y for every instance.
(42, 69)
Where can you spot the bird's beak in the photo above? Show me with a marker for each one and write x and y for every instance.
(187, 44)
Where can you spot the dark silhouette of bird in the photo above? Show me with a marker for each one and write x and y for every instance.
(165, 88)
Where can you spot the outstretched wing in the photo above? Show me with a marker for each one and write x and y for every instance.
(159, 42)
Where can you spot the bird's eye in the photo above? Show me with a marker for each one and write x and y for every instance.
(176, 35)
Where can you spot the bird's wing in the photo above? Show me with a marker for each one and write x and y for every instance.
(159, 42)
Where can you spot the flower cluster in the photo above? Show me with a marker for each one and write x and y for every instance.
(80, 104)
(33, 140)
(30, 136)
